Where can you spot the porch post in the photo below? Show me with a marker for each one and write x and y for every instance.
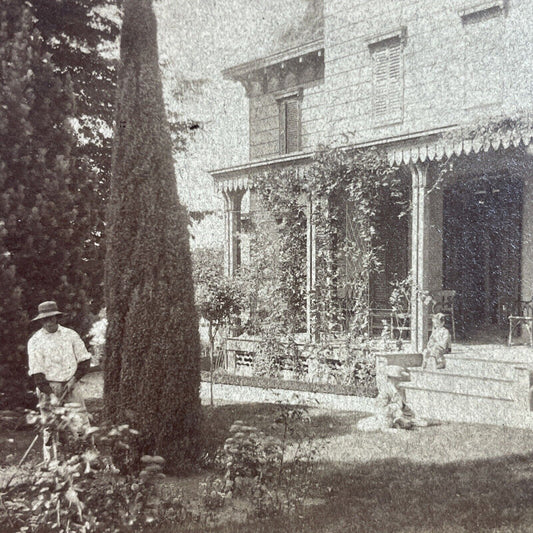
(419, 255)
(311, 267)
(232, 229)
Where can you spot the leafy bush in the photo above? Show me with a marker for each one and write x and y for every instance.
(264, 382)
(275, 354)
(273, 473)
(82, 489)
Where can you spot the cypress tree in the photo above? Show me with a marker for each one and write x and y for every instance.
(44, 223)
(152, 374)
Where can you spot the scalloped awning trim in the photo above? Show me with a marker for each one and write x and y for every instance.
(421, 151)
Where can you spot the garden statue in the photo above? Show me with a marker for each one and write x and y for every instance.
(393, 412)
(439, 343)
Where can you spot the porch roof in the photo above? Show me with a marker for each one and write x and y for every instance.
(417, 147)
(240, 177)
(457, 141)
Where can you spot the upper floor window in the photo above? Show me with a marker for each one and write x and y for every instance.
(483, 29)
(387, 80)
(289, 124)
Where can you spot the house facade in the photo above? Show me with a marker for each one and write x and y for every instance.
(430, 82)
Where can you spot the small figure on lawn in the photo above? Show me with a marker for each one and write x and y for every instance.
(57, 359)
(439, 343)
(392, 410)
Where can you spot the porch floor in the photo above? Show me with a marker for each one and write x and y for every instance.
(518, 353)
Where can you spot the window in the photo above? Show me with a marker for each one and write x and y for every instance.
(483, 59)
(387, 81)
(483, 11)
(289, 124)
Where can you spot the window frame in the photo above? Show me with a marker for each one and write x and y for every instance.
(282, 100)
(385, 44)
(478, 21)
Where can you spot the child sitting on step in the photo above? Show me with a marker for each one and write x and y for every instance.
(439, 343)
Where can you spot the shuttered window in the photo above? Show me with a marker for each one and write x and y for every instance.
(289, 125)
(387, 78)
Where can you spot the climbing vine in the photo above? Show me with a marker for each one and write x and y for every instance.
(491, 131)
(345, 195)
(350, 191)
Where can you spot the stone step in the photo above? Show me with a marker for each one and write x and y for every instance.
(460, 407)
(492, 352)
(448, 381)
(472, 366)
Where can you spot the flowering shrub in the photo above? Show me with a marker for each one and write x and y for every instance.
(213, 493)
(249, 454)
(82, 489)
(273, 473)
(97, 337)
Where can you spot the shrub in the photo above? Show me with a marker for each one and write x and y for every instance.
(273, 473)
(83, 489)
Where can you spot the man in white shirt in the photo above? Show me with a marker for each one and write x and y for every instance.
(57, 359)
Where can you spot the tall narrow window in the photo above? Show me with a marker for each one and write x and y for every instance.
(387, 81)
(289, 124)
(483, 28)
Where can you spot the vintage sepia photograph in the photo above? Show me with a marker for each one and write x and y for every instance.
(266, 266)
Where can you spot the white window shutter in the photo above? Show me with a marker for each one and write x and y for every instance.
(387, 82)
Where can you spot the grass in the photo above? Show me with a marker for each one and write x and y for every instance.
(443, 478)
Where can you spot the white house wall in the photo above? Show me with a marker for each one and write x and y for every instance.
(437, 66)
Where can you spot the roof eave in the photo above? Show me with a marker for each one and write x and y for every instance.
(237, 71)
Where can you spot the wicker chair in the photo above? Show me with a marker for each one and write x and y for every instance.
(521, 315)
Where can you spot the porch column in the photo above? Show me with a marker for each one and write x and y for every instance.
(526, 291)
(311, 267)
(232, 227)
(419, 255)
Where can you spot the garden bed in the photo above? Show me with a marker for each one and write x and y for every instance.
(223, 378)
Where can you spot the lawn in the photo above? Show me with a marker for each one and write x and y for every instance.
(443, 478)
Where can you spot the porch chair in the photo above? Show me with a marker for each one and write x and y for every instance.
(444, 303)
(521, 315)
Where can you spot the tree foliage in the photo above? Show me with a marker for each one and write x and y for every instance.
(218, 297)
(152, 373)
(309, 28)
(45, 223)
(80, 36)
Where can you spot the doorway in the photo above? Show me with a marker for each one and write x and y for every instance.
(482, 250)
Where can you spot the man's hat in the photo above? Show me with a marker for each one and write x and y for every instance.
(47, 309)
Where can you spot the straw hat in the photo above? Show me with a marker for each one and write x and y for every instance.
(47, 309)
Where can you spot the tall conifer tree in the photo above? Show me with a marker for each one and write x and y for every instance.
(44, 222)
(152, 375)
